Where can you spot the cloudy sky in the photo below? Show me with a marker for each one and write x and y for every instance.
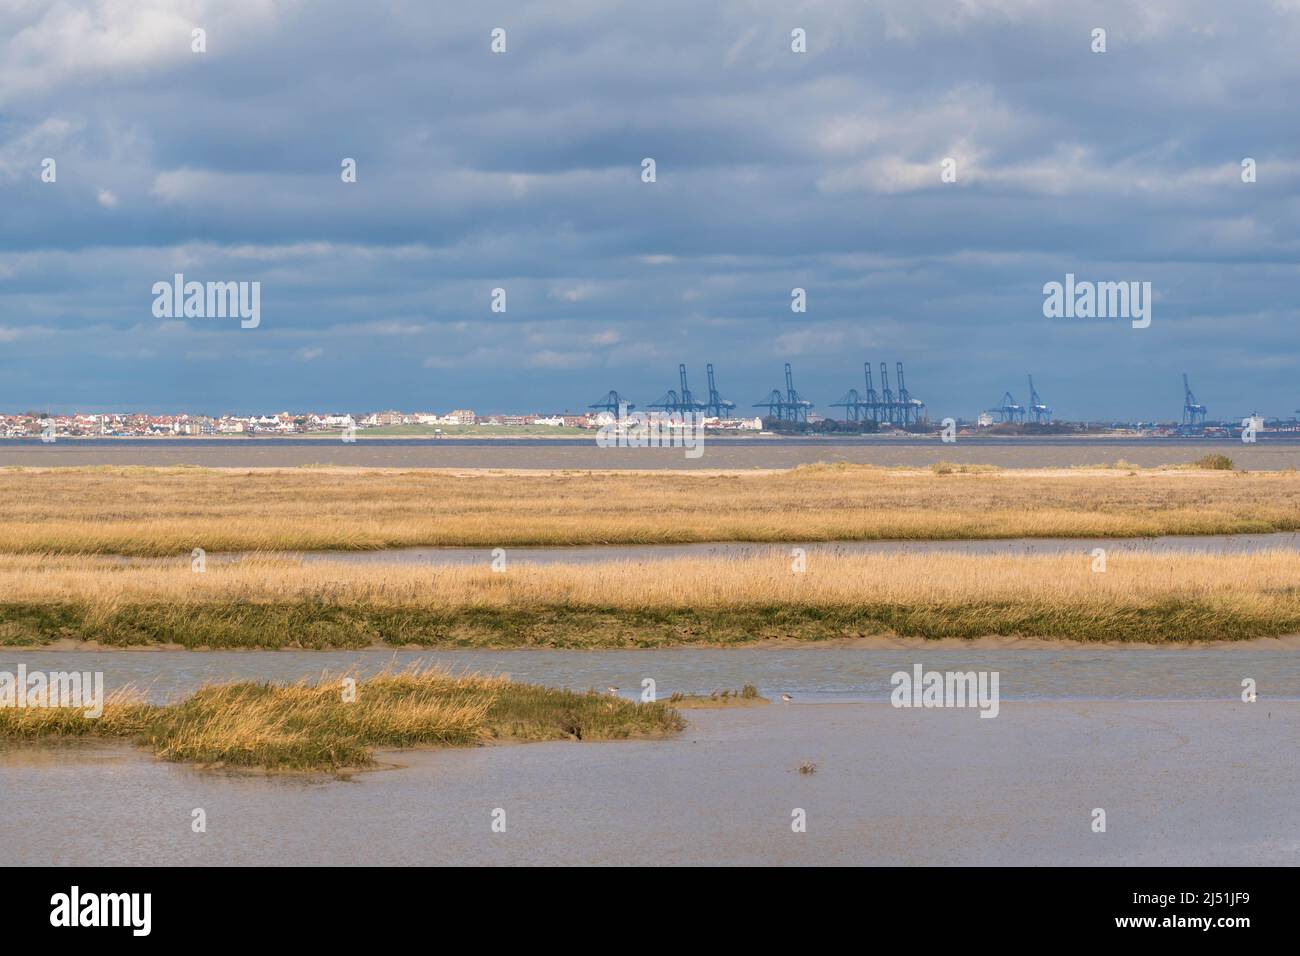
(522, 171)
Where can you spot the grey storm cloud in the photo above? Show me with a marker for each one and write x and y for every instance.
(522, 171)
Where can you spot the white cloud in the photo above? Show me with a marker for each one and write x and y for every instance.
(577, 293)
(49, 45)
(22, 155)
(549, 359)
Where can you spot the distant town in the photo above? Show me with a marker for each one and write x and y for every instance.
(34, 424)
(465, 422)
(889, 410)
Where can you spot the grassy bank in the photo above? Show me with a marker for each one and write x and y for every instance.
(747, 696)
(312, 727)
(142, 511)
(278, 603)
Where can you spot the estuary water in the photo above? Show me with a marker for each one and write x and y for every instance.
(598, 554)
(809, 674)
(1160, 738)
(1181, 783)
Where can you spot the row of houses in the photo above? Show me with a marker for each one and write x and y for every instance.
(465, 416)
(32, 424)
(132, 425)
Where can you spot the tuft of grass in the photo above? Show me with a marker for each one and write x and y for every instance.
(747, 696)
(949, 468)
(305, 726)
(125, 715)
(1214, 463)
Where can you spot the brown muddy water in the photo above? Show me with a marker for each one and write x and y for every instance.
(1269, 453)
(1181, 783)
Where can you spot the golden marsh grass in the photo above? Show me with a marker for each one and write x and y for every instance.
(285, 603)
(145, 511)
(306, 726)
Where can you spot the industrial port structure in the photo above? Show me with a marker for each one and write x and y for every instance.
(870, 405)
(1009, 411)
(1193, 411)
(882, 407)
(787, 407)
(676, 402)
(1039, 412)
(786, 404)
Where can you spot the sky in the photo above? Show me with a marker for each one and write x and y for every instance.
(523, 171)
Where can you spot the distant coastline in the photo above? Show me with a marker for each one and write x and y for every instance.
(585, 435)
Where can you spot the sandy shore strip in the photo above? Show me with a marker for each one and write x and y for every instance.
(1096, 470)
